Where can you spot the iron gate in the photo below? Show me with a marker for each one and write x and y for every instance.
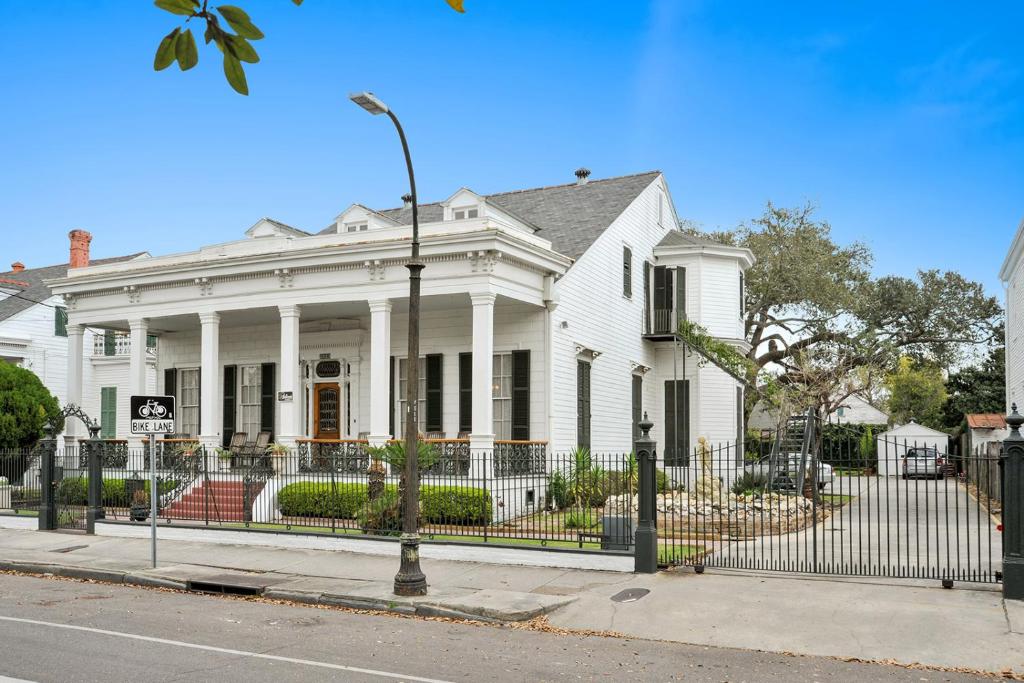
(70, 482)
(894, 509)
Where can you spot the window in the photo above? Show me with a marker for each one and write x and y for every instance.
(108, 412)
(60, 321)
(459, 214)
(501, 392)
(421, 413)
(250, 392)
(189, 397)
(356, 227)
(151, 341)
(627, 272)
(677, 423)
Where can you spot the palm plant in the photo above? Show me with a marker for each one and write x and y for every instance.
(393, 453)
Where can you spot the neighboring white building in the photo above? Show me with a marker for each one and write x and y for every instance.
(893, 445)
(547, 317)
(1012, 276)
(985, 428)
(853, 410)
(33, 335)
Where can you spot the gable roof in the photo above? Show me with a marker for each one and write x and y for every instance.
(986, 421)
(570, 216)
(678, 238)
(34, 290)
(914, 429)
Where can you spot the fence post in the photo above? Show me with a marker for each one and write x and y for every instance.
(645, 558)
(1012, 458)
(94, 462)
(47, 475)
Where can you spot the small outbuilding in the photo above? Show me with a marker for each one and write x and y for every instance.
(893, 445)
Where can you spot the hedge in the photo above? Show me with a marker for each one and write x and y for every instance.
(115, 493)
(439, 504)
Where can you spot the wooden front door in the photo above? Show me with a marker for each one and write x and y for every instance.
(327, 411)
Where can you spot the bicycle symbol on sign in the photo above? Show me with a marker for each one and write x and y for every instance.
(152, 409)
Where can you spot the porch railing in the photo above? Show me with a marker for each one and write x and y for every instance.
(338, 455)
(517, 458)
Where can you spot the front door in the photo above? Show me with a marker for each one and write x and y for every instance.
(327, 411)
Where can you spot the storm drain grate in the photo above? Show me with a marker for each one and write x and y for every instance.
(223, 588)
(630, 595)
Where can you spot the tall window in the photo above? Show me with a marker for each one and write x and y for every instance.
(249, 399)
(421, 412)
(582, 403)
(60, 321)
(627, 272)
(501, 392)
(188, 394)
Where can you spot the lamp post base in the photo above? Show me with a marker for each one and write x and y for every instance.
(410, 580)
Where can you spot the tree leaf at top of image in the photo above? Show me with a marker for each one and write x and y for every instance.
(456, 5)
(186, 51)
(165, 52)
(241, 49)
(235, 74)
(183, 7)
(240, 21)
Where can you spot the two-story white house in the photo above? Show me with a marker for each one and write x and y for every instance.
(33, 335)
(547, 317)
(1012, 276)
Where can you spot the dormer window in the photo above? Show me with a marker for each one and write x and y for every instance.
(356, 227)
(465, 212)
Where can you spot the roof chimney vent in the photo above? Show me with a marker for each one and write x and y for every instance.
(17, 267)
(407, 200)
(79, 248)
(581, 175)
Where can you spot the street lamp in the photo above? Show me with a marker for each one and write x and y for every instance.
(410, 579)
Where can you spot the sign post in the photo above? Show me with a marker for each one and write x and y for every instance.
(152, 415)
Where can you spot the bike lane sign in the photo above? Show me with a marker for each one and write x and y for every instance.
(152, 414)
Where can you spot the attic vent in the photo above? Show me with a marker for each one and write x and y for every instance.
(581, 175)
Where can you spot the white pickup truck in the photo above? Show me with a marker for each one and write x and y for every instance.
(761, 468)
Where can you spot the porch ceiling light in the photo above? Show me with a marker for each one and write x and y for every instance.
(368, 101)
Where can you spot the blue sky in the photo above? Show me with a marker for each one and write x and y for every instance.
(903, 122)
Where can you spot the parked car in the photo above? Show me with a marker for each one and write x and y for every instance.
(923, 462)
(762, 465)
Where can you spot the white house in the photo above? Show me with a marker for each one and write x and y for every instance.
(852, 410)
(1012, 276)
(33, 335)
(548, 317)
(893, 445)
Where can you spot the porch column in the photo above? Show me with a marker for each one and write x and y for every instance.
(76, 336)
(481, 440)
(211, 383)
(290, 427)
(138, 329)
(380, 371)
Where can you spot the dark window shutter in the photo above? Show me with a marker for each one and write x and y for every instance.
(583, 404)
(199, 403)
(662, 299)
(60, 321)
(171, 382)
(108, 412)
(743, 296)
(740, 431)
(109, 343)
(465, 392)
(391, 398)
(677, 423)
(268, 396)
(435, 394)
(680, 295)
(637, 405)
(230, 403)
(627, 272)
(521, 395)
(647, 297)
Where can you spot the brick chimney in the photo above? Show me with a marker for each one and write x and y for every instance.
(79, 248)
(17, 267)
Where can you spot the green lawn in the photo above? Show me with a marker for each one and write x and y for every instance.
(836, 499)
(24, 513)
(669, 554)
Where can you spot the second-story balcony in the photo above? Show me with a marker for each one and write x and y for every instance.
(112, 343)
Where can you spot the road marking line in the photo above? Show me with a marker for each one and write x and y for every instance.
(224, 650)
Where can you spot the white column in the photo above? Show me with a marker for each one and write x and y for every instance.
(483, 367)
(138, 329)
(211, 382)
(76, 354)
(289, 418)
(380, 371)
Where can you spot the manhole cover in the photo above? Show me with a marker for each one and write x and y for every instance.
(630, 595)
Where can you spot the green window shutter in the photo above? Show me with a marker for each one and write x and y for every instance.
(268, 397)
(150, 341)
(435, 395)
(521, 395)
(391, 397)
(583, 404)
(230, 403)
(637, 405)
(465, 392)
(60, 321)
(627, 272)
(108, 412)
(109, 343)
(677, 424)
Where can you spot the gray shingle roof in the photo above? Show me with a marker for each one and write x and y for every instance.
(36, 291)
(570, 216)
(676, 238)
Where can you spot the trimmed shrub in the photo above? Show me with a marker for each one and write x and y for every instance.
(115, 492)
(316, 499)
(455, 505)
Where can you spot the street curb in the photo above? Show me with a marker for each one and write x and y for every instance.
(102, 575)
(153, 582)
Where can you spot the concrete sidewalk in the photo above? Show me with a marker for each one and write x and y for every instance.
(902, 621)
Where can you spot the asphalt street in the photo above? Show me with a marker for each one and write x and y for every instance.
(63, 630)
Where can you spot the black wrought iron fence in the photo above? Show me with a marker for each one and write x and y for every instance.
(20, 489)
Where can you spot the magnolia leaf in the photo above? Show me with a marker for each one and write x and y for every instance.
(235, 74)
(239, 20)
(241, 49)
(297, 2)
(184, 7)
(185, 50)
(165, 51)
(456, 5)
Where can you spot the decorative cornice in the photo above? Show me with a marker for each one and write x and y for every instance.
(133, 293)
(284, 277)
(205, 286)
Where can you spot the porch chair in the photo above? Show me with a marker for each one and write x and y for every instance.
(434, 436)
(237, 444)
(259, 447)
